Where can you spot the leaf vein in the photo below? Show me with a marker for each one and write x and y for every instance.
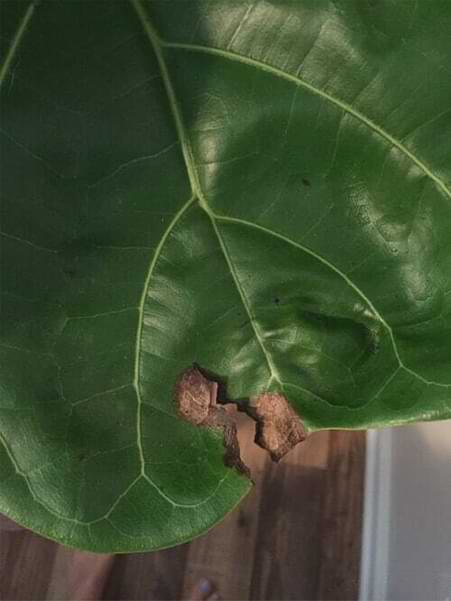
(350, 283)
(234, 56)
(16, 41)
(136, 383)
(190, 164)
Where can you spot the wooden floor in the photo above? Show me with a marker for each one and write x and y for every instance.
(296, 536)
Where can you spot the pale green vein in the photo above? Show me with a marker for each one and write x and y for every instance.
(344, 277)
(35, 156)
(134, 161)
(15, 43)
(26, 479)
(385, 385)
(153, 263)
(16, 467)
(188, 505)
(166, 497)
(193, 176)
(174, 504)
(116, 503)
(102, 393)
(181, 132)
(321, 399)
(258, 334)
(106, 515)
(24, 350)
(229, 55)
(104, 314)
(28, 243)
(309, 393)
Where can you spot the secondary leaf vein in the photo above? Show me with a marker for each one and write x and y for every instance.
(234, 56)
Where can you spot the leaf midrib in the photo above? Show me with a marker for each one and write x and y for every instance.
(193, 175)
(16, 41)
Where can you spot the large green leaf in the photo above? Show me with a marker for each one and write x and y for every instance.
(261, 187)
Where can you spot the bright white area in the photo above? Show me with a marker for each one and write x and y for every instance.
(407, 519)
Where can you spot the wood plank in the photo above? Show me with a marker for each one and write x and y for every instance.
(147, 576)
(288, 549)
(341, 533)
(26, 562)
(78, 575)
(225, 554)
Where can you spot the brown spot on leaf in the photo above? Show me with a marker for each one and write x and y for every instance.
(279, 429)
(194, 394)
(196, 398)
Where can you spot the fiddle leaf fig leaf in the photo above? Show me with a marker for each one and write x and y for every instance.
(260, 189)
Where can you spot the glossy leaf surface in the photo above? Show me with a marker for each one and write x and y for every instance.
(263, 188)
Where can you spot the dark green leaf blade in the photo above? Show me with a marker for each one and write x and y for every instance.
(262, 188)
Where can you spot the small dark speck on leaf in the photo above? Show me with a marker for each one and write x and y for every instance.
(306, 182)
(277, 300)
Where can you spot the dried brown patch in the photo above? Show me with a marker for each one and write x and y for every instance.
(279, 429)
(196, 398)
(195, 395)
